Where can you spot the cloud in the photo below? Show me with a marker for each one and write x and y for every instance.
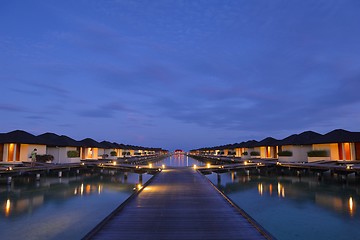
(11, 108)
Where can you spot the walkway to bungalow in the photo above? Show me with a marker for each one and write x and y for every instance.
(178, 204)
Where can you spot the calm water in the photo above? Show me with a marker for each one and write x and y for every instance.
(179, 160)
(65, 208)
(290, 207)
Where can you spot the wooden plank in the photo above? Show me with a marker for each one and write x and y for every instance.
(179, 204)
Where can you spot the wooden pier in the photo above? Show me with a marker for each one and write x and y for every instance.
(178, 204)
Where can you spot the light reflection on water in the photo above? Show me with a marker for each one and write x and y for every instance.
(58, 208)
(179, 160)
(290, 207)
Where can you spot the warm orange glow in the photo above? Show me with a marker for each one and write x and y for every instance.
(195, 166)
(208, 165)
(88, 189)
(138, 187)
(100, 189)
(89, 153)
(347, 151)
(281, 190)
(114, 163)
(163, 166)
(260, 189)
(11, 152)
(270, 189)
(233, 176)
(150, 165)
(7, 208)
(351, 206)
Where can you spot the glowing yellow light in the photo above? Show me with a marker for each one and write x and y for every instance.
(138, 187)
(99, 189)
(245, 163)
(82, 189)
(260, 189)
(283, 192)
(163, 166)
(150, 165)
(279, 189)
(351, 206)
(7, 207)
(195, 166)
(75, 191)
(114, 163)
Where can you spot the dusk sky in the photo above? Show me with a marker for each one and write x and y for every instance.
(179, 73)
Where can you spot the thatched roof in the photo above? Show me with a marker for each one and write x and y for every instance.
(18, 136)
(304, 138)
(339, 136)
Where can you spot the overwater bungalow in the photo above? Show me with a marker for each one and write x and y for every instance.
(338, 145)
(267, 148)
(244, 149)
(295, 148)
(63, 148)
(109, 150)
(16, 147)
(90, 149)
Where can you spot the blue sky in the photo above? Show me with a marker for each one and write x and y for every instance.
(179, 73)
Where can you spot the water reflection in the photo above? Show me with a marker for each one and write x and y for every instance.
(25, 195)
(294, 199)
(179, 160)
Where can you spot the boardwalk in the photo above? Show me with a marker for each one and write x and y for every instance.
(178, 204)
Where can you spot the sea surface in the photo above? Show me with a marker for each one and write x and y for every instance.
(62, 208)
(292, 207)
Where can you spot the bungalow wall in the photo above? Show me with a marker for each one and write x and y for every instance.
(107, 151)
(240, 151)
(132, 152)
(119, 152)
(267, 151)
(16, 152)
(299, 153)
(338, 151)
(60, 154)
(26, 149)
